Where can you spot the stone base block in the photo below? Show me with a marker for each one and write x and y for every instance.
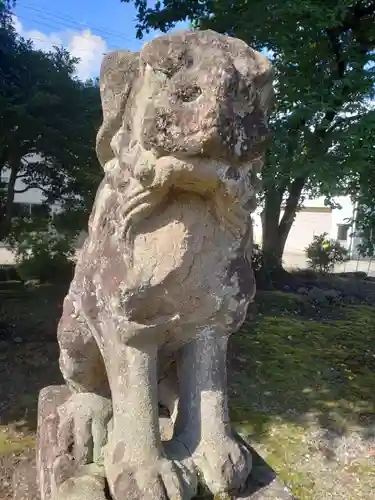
(24, 480)
(262, 483)
(50, 398)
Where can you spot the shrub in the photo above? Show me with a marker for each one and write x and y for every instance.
(11, 285)
(261, 274)
(46, 268)
(323, 253)
(44, 255)
(8, 273)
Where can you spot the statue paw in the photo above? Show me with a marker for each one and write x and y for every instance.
(223, 464)
(162, 479)
(82, 430)
(87, 484)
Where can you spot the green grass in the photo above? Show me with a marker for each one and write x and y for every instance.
(13, 442)
(294, 365)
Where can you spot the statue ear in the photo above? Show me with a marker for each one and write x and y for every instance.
(117, 74)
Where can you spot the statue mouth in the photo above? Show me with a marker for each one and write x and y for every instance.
(227, 189)
(202, 174)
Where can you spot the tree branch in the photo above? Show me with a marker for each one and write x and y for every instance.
(291, 205)
(20, 191)
(354, 20)
(356, 14)
(337, 50)
(32, 186)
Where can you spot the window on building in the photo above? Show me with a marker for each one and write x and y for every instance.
(342, 231)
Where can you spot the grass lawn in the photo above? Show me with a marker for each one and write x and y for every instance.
(301, 384)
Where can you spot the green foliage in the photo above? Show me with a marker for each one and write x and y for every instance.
(358, 150)
(42, 252)
(46, 268)
(8, 273)
(323, 253)
(48, 125)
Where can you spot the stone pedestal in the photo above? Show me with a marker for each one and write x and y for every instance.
(89, 484)
(50, 398)
(263, 484)
(24, 480)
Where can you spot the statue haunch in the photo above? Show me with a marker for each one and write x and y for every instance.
(164, 276)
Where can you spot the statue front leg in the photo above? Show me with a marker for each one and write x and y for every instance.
(203, 421)
(134, 461)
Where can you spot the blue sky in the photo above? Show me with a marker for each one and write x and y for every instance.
(88, 28)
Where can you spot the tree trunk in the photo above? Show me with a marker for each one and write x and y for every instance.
(7, 205)
(290, 212)
(270, 225)
(276, 230)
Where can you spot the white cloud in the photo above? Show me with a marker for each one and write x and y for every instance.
(86, 46)
(17, 24)
(89, 49)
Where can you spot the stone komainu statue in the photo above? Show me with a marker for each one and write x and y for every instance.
(163, 278)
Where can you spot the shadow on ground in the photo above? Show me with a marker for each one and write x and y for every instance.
(28, 351)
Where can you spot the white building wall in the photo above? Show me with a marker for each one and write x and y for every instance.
(30, 196)
(310, 222)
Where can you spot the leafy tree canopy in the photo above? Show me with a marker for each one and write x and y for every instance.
(48, 123)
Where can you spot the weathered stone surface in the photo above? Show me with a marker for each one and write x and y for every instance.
(24, 480)
(164, 276)
(72, 429)
(262, 484)
(88, 484)
(50, 398)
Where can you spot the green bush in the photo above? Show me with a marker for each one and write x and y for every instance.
(323, 253)
(44, 255)
(46, 268)
(11, 285)
(8, 273)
